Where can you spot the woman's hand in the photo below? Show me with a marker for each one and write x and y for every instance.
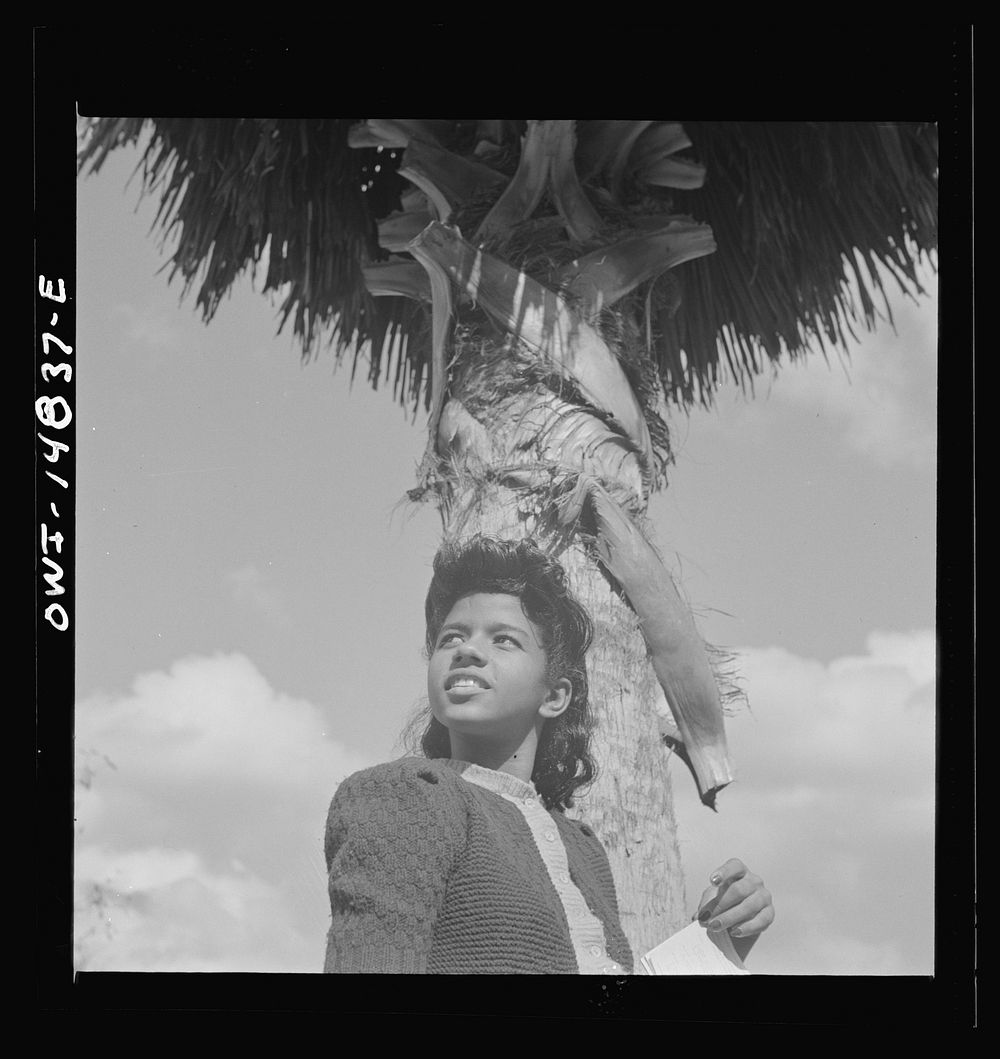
(736, 901)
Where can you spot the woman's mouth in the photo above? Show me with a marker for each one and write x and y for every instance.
(465, 682)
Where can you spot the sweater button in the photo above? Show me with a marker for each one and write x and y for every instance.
(550, 836)
(563, 877)
(595, 950)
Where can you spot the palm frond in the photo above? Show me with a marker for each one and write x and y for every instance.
(804, 215)
(793, 206)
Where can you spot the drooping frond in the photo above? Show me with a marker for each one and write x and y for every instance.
(279, 196)
(806, 218)
(804, 214)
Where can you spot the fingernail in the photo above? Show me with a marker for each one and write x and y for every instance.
(715, 925)
(736, 933)
(715, 879)
(703, 915)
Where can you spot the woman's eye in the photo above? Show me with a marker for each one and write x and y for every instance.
(448, 637)
(509, 639)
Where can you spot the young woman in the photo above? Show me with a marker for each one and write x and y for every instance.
(463, 861)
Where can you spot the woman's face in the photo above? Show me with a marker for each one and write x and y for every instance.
(488, 673)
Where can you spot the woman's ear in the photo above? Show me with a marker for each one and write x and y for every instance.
(557, 700)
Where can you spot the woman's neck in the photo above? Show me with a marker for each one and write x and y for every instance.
(516, 760)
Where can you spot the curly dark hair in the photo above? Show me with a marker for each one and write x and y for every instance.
(563, 762)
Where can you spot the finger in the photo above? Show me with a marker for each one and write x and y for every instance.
(732, 894)
(742, 913)
(706, 903)
(721, 879)
(760, 922)
(730, 871)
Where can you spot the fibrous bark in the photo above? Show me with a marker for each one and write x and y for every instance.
(539, 318)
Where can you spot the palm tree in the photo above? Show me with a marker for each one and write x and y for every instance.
(547, 289)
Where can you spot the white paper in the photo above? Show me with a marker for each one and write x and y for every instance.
(694, 950)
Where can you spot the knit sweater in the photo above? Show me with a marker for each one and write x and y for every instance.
(441, 867)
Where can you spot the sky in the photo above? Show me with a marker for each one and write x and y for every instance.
(250, 584)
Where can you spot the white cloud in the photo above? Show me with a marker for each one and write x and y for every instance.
(211, 720)
(848, 719)
(915, 652)
(207, 791)
(833, 807)
(164, 910)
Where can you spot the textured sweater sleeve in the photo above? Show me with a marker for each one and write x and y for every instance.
(392, 836)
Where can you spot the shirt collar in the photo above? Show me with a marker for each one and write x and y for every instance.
(498, 782)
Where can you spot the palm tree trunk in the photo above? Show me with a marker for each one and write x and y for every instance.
(631, 805)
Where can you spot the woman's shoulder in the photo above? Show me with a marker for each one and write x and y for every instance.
(404, 770)
(408, 780)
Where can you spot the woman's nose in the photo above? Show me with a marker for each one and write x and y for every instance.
(469, 650)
